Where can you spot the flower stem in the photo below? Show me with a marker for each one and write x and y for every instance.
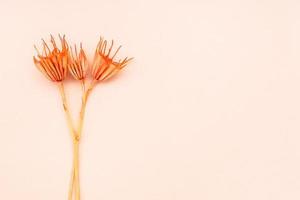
(74, 188)
(67, 110)
(85, 96)
(73, 136)
(76, 142)
(76, 170)
(70, 195)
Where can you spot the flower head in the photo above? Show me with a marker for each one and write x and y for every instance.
(78, 64)
(104, 65)
(53, 61)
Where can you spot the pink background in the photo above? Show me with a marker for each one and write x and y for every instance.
(209, 109)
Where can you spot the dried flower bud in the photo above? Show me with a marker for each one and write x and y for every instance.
(105, 66)
(78, 64)
(53, 62)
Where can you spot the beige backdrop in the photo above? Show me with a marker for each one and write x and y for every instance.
(208, 110)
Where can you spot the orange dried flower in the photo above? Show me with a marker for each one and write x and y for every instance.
(78, 64)
(53, 63)
(105, 66)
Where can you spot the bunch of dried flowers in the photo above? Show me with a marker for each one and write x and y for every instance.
(56, 63)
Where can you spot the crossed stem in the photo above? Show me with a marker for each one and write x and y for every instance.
(74, 188)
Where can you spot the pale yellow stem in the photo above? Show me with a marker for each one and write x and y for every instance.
(67, 110)
(76, 170)
(85, 96)
(72, 132)
(70, 195)
(74, 182)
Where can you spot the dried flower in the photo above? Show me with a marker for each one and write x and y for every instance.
(105, 66)
(78, 64)
(53, 63)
